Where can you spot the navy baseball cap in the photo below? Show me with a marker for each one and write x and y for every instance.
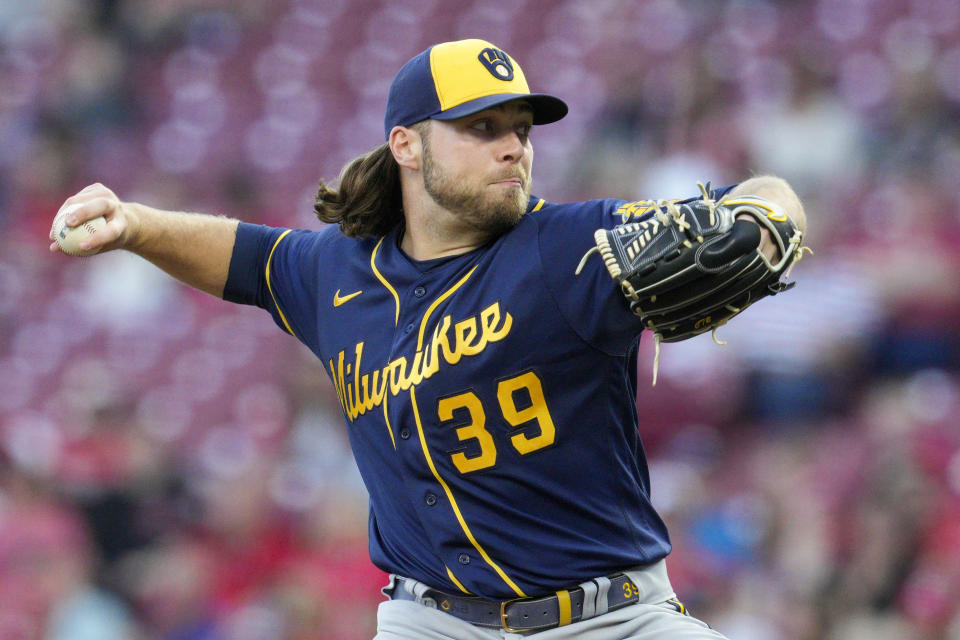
(454, 79)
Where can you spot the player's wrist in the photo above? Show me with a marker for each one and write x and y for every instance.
(136, 220)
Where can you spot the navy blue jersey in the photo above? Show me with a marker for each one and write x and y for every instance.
(489, 396)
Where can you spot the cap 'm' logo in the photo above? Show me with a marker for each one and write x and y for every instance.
(497, 63)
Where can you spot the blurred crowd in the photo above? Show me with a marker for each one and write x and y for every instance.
(176, 468)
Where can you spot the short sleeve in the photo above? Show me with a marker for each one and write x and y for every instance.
(274, 269)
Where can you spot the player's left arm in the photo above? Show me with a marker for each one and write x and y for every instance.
(690, 266)
(778, 191)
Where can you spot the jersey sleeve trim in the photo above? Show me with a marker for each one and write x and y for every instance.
(270, 286)
(383, 281)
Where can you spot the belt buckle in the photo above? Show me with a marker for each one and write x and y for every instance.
(503, 616)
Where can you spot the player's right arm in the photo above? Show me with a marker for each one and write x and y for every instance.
(194, 248)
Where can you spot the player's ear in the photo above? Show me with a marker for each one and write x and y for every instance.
(406, 147)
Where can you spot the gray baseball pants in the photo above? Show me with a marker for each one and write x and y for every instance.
(651, 618)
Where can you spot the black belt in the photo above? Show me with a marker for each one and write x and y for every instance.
(530, 614)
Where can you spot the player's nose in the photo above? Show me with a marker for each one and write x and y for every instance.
(511, 147)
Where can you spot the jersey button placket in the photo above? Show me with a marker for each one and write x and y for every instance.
(463, 558)
(420, 292)
(430, 499)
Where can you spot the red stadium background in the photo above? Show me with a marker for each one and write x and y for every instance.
(175, 468)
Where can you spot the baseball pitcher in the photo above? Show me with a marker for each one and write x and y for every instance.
(483, 345)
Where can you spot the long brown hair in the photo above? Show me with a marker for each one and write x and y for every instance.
(367, 201)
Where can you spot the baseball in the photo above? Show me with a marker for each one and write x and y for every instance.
(69, 238)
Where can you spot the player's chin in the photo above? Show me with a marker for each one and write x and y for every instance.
(510, 190)
(505, 214)
(513, 192)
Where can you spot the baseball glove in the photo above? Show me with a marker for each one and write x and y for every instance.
(690, 267)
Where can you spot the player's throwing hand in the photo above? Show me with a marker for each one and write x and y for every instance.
(93, 202)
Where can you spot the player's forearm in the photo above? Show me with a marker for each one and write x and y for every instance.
(193, 248)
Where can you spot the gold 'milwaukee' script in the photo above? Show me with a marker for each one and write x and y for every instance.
(360, 393)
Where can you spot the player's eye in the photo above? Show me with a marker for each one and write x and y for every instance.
(524, 131)
(482, 125)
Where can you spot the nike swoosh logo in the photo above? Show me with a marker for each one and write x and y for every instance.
(338, 300)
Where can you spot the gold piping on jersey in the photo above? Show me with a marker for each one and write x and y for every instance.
(453, 578)
(386, 419)
(538, 205)
(376, 272)
(446, 294)
(453, 503)
(270, 288)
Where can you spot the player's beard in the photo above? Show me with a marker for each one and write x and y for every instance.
(475, 207)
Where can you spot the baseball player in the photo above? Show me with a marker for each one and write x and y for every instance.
(486, 366)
